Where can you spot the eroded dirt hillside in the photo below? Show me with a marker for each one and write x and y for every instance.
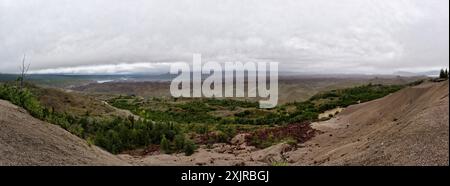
(409, 127)
(25, 140)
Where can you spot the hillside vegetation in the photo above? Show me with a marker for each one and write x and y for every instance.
(291, 88)
(177, 125)
(407, 128)
(114, 134)
(27, 141)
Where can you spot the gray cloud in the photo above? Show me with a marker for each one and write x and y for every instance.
(345, 36)
(122, 68)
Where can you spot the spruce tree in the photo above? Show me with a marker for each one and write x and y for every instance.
(442, 74)
(164, 146)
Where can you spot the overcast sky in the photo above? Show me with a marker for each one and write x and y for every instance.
(110, 36)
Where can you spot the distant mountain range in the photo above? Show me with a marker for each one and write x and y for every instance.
(433, 73)
(63, 80)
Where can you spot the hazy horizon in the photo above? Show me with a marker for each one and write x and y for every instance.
(306, 36)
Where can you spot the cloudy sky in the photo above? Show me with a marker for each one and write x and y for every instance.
(321, 36)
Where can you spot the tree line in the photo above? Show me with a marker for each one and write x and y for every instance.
(443, 74)
(114, 135)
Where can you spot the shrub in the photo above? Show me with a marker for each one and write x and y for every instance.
(179, 141)
(90, 141)
(189, 148)
(221, 137)
(23, 98)
(164, 146)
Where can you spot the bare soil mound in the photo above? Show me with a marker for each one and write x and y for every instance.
(409, 127)
(25, 140)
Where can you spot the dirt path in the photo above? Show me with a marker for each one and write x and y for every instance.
(121, 112)
(332, 113)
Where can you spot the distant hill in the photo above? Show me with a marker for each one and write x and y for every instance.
(291, 88)
(434, 73)
(70, 80)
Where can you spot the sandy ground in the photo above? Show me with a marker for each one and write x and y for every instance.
(218, 155)
(409, 127)
(25, 140)
(332, 112)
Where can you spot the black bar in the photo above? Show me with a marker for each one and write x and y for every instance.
(277, 175)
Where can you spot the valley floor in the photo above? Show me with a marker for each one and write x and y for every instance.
(409, 127)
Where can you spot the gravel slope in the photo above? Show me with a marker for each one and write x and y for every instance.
(409, 127)
(25, 140)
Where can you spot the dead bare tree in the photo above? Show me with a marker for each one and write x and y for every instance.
(23, 71)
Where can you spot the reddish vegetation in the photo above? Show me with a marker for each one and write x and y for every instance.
(149, 150)
(300, 132)
(211, 137)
